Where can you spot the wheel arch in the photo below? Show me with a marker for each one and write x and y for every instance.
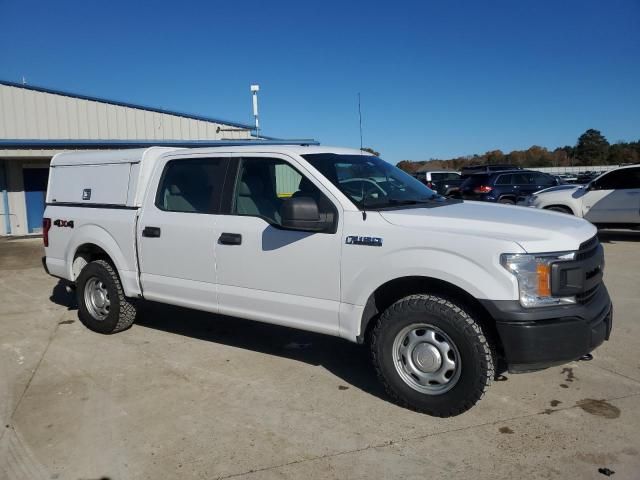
(393, 290)
(507, 196)
(92, 242)
(561, 205)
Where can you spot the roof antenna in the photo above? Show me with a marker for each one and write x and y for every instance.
(360, 117)
(364, 200)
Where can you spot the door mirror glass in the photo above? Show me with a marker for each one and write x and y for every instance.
(302, 213)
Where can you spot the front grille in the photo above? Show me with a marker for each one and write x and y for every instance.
(593, 241)
(588, 249)
(587, 295)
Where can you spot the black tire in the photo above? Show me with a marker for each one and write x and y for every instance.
(476, 356)
(560, 208)
(507, 201)
(121, 311)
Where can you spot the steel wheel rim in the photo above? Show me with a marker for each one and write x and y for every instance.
(426, 359)
(96, 298)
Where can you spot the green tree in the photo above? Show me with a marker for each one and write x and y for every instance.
(408, 166)
(371, 151)
(592, 148)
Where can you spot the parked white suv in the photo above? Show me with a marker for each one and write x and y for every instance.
(334, 241)
(610, 200)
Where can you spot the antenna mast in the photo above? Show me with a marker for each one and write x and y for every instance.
(360, 117)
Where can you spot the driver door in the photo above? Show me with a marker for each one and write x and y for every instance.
(265, 272)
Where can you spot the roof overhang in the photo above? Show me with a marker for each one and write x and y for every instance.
(90, 144)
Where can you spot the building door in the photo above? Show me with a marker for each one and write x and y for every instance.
(35, 190)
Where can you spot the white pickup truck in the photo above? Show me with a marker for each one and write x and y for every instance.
(334, 241)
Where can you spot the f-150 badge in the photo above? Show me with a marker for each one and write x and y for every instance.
(368, 241)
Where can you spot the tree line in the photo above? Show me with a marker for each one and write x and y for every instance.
(592, 148)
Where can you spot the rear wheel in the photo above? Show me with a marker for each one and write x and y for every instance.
(102, 305)
(560, 208)
(432, 356)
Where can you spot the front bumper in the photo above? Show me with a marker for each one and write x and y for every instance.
(534, 339)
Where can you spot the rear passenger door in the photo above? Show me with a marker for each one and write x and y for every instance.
(522, 185)
(177, 231)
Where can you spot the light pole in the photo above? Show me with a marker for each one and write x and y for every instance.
(254, 93)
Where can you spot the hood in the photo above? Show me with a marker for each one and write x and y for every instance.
(536, 231)
(558, 188)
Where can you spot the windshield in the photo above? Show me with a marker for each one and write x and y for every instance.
(371, 183)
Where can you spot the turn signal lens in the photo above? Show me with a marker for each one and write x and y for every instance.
(544, 279)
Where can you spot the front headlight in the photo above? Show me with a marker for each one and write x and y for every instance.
(532, 198)
(533, 272)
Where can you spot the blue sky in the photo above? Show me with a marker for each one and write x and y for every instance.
(437, 78)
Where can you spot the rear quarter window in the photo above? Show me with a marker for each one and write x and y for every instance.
(474, 180)
(437, 177)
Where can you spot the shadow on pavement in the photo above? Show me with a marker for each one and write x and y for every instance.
(348, 361)
(610, 236)
(60, 296)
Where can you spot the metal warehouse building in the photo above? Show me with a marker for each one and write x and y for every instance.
(36, 123)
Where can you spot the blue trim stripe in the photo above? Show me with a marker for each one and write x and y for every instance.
(242, 126)
(35, 144)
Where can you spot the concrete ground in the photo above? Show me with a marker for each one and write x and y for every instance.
(188, 395)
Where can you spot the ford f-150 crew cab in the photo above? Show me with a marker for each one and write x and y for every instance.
(334, 241)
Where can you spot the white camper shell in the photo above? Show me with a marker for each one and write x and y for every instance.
(111, 178)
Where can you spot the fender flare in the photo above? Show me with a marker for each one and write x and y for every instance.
(96, 235)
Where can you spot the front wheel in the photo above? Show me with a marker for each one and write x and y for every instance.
(102, 305)
(432, 356)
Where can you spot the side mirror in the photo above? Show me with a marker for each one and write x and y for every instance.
(301, 213)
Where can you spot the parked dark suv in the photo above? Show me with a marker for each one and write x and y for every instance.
(506, 186)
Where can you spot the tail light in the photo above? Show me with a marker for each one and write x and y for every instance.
(46, 226)
(430, 184)
(482, 189)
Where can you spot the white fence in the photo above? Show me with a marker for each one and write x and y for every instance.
(579, 169)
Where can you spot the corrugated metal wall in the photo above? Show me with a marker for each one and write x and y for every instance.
(39, 115)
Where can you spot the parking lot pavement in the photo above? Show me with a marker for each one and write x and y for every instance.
(183, 394)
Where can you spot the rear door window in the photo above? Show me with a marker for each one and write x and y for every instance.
(504, 179)
(192, 185)
(542, 179)
(521, 179)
